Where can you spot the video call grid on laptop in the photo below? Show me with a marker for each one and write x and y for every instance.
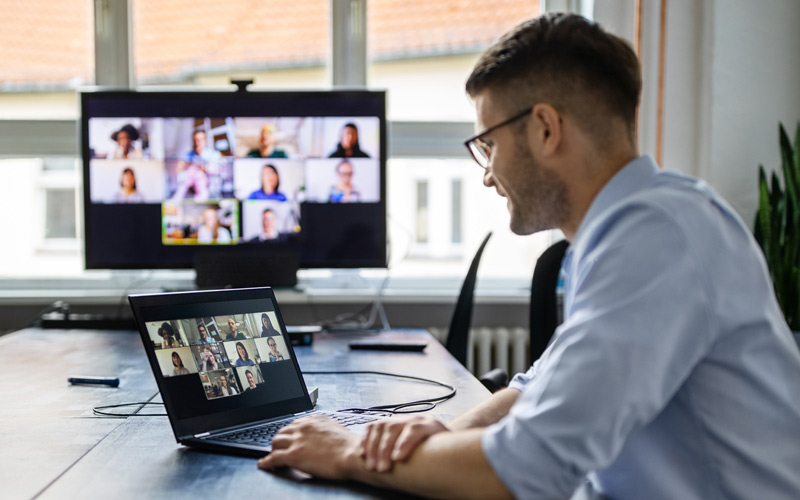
(223, 362)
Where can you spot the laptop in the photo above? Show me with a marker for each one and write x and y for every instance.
(226, 370)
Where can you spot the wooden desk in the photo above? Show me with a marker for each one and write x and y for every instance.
(54, 447)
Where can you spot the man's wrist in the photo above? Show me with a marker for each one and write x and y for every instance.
(352, 463)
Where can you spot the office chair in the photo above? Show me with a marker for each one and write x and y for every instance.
(458, 334)
(544, 306)
(543, 312)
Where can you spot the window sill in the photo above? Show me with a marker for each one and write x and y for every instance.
(319, 287)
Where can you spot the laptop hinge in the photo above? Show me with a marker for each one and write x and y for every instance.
(202, 434)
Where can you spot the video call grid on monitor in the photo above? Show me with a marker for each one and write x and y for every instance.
(223, 360)
(169, 173)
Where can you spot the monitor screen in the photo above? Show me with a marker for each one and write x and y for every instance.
(171, 174)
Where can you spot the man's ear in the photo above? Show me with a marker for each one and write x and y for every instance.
(548, 128)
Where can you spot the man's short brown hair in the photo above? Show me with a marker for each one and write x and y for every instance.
(567, 61)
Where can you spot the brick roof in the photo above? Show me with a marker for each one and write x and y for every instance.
(45, 43)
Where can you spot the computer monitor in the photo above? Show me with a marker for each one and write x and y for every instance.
(171, 174)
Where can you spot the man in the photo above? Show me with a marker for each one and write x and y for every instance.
(233, 331)
(673, 375)
(203, 336)
(269, 227)
(251, 380)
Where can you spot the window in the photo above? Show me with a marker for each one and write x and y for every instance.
(277, 44)
(420, 51)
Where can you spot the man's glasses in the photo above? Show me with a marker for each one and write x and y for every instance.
(479, 149)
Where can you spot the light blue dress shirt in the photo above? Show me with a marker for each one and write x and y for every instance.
(674, 375)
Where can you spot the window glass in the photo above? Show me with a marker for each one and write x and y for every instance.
(277, 43)
(444, 250)
(40, 197)
(423, 51)
(60, 213)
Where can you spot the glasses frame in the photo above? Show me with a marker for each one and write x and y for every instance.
(475, 143)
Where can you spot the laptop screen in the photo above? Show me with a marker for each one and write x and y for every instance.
(221, 358)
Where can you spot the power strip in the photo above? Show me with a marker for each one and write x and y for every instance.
(87, 321)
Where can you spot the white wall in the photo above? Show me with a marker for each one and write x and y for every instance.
(732, 73)
(755, 83)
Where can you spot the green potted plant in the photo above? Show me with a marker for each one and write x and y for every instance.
(777, 227)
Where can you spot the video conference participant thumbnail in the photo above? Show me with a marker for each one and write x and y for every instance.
(220, 383)
(191, 223)
(272, 349)
(268, 137)
(235, 326)
(210, 357)
(343, 180)
(166, 334)
(176, 362)
(250, 377)
(242, 352)
(126, 181)
(269, 221)
(199, 160)
(126, 138)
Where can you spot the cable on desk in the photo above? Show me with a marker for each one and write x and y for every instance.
(417, 406)
(98, 410)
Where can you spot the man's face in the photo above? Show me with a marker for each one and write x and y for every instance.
(231, 324)
(536, 195)
(268, 221)
(345, 173)
(203, 334)
(251, 381)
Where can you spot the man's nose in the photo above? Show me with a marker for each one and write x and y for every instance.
(488, 178)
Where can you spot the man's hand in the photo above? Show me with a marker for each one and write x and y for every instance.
(316, 445)
(394, 440)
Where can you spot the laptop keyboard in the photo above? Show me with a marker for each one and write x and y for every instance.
(261, 435)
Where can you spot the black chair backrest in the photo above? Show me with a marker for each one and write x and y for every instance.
(544, 317)
(458, 334)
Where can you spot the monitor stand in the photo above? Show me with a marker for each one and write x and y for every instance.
(221, 269)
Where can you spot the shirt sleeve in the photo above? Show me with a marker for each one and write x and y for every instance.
(638, 323)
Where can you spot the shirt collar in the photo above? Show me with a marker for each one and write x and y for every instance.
(632, 177)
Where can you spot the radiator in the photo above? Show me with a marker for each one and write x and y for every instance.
(499, 347)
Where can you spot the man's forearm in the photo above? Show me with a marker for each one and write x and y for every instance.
(447, 465)
(488, 412)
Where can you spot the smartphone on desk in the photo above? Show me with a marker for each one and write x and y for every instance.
(389, 345)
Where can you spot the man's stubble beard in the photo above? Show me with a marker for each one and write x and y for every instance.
(540, 197)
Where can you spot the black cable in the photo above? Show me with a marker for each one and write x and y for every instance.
(395, 408)
(421, 405)
(98, 410)
(58, 305)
